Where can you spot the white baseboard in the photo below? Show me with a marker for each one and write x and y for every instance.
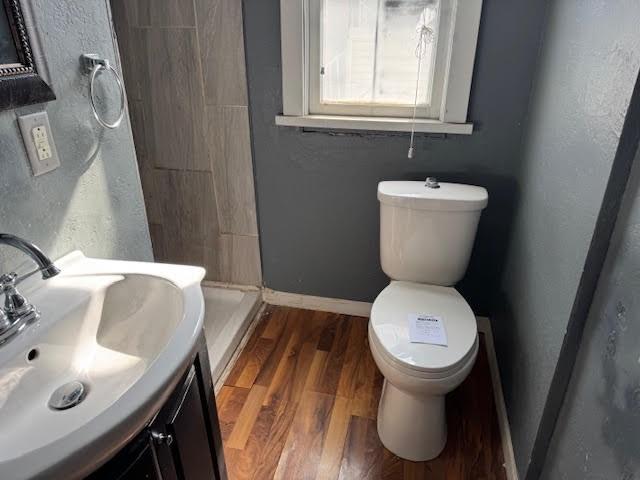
(484, 326)
(230, 286)
(323, 304)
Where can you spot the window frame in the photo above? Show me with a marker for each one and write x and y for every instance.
(458, 65)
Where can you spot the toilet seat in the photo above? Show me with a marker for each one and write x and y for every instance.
(389, 329)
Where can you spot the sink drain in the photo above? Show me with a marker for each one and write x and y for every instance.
(67, 396)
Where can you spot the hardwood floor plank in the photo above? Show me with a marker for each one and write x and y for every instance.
(274, 326)
(393, 467)
(332, 448)
(330, 377)
(247, 417)
(242, 464)
(355, 350)
(303, 448)
(414, 470)
(236, 467)
(257, 357)
(283, 398)
(363, 452)
(282, 417)
(367, 387)
(328, 332)
(222, 396)
(271, 364)
(290, 377)
(317, 366)
(296, 358)
(230, 401)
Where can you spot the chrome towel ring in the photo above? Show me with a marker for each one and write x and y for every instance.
(92, 65)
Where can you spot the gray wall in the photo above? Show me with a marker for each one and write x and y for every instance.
(589, 61)
(94, 201)
(316, 192)
(598, 433)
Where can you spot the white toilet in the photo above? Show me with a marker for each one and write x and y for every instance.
(427, 232)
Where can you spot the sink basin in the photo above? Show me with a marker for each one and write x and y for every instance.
(125, 330)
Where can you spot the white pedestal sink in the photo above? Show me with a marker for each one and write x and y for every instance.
(125, 330)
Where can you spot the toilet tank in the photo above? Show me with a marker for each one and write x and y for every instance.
(426, 233)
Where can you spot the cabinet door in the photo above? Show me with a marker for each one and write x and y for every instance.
(143, 468)
(137, 461)
(187, 427)
(163, 454)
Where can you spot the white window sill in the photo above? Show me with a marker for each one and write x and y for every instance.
(390, 124)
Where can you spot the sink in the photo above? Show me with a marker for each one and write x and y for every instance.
(125, 331)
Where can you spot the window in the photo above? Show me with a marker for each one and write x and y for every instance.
(364, 57)
(374, 64)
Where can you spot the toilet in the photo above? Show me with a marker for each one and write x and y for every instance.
(427, 230)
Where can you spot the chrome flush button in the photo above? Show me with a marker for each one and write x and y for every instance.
(431, 182)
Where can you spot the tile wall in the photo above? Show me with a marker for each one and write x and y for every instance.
(184, 68)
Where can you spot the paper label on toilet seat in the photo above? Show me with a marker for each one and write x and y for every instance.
(427, 329)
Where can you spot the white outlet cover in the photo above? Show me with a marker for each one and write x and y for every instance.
(27, 124)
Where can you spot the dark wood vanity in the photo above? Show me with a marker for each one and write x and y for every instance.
(182, 441)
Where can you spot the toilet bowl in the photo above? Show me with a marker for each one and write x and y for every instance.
(417, 376)
(426, 236)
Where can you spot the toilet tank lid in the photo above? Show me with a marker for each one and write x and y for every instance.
(449, 197)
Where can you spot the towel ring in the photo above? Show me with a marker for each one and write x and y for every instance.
(92, 65)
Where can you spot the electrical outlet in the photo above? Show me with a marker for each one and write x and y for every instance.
(41, 141)
(36, 134)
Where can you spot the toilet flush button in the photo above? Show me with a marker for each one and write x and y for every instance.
(431, 182)
(427, 329)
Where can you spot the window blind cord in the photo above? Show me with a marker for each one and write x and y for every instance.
(424, 37)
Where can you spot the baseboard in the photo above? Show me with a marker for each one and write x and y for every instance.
(323, 304)
(230, 286)
(484, 326)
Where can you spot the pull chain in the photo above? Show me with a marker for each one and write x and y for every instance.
(425, 36)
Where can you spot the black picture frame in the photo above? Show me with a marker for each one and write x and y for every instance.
(20, 83)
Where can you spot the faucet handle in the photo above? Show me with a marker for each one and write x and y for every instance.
(15, 304)
(7, 281)
(4, 320)
(13, 279)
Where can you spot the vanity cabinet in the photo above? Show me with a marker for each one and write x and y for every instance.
(182, 441)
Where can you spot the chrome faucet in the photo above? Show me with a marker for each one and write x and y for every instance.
(18, 312)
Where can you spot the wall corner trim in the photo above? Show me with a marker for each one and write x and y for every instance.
(484, 327)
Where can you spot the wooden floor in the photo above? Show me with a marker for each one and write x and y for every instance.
(301, 403)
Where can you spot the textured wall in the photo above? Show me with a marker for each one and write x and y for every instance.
(93, 201)
(589, 62)
(317, 191)
(185, 71)
(598, 434)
